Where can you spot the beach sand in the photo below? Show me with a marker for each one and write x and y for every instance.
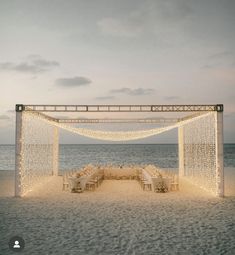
(118, 218)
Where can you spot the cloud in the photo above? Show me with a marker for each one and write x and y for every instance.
(209, 66)
(152, 16)
(230, 115)
(105, 98)
(11, 111)
(120, 28)
(45, 63)
(172, 11)
(76, 81)
(221, 54)
(4, 117)
(33, 65)
(171, 98)
(133, 92)
(220, 64)
(220, 59)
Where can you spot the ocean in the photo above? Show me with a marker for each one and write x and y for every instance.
(77, 155)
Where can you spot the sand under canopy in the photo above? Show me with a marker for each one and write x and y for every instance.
(119, 218)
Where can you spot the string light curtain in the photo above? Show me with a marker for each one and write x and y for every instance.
(198, 145)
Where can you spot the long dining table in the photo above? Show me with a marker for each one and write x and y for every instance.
(153, 178)
(82, 180)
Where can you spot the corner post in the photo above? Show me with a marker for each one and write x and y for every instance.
(18, 149)
(181, 150)
(219, 147)
(55, 151)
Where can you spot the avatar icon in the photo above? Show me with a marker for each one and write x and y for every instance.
(16, 245)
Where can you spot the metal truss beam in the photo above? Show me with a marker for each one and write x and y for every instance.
(119, 108)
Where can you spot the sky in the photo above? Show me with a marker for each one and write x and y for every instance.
(116, 52)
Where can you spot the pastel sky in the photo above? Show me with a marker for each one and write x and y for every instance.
(116, 52)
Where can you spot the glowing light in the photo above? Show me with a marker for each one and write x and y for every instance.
(37, 147)
(118, 135)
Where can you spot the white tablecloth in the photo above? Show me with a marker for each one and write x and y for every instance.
(154, 179)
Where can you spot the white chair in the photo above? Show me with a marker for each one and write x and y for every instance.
(65, 182)
(147, 184)
(175, 183)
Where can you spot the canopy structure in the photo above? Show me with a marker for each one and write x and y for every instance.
(200, 137)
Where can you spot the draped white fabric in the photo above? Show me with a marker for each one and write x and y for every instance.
(115, 135)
